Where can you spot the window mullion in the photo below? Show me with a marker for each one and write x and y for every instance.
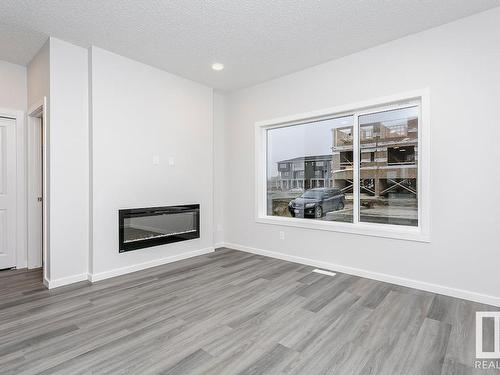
(355, 169)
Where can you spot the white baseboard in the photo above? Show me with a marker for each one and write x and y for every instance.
(141, 266)
(50, 284)
(416, 284)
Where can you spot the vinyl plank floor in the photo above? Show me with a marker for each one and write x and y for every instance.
(231, 312)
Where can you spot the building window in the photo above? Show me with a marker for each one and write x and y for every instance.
(355, 172)
(400, 155)
(346, 159)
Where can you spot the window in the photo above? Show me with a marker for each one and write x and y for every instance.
(308, 146)
(357, 171)
(401, 155)
(346, 159)
(284, 167)
(388, 188)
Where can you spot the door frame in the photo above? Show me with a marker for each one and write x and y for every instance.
(21, 239)
(37, 111)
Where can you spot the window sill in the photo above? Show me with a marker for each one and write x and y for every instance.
(364, 229)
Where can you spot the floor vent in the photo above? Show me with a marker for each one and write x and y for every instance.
(324, 272)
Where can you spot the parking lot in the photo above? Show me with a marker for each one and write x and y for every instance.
(397, 211)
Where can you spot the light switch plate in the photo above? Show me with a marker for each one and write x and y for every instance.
(171, 161)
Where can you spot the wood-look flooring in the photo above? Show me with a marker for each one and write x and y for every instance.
(231, 312)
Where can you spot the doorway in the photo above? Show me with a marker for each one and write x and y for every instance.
(37, 188)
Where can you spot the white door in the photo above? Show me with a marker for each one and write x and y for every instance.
(7, 193)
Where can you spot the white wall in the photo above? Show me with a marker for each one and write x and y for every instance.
(139, 112)
(13, 96)
(459, 63)
(39, 76)
(13, 86)
(69, 162)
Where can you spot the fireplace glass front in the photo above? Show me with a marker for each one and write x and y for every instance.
(145, 227)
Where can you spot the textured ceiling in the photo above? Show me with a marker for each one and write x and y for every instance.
(256, 39)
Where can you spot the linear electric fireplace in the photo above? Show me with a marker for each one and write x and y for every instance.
(146, 227)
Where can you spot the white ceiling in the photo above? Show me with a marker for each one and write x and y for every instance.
(255, 39)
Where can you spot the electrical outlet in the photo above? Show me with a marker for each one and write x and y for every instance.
(282, 235)
(219, 227)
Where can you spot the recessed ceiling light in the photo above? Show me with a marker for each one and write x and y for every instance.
(217, 66)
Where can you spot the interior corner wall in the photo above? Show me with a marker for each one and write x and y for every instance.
(458, 62)
(69, 163)
(220, 108)
(140, 113)
(13, 95)
(39, 76)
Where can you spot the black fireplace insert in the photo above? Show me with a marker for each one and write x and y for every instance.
(146, 227)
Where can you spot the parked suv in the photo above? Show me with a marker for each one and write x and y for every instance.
(316, 202)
